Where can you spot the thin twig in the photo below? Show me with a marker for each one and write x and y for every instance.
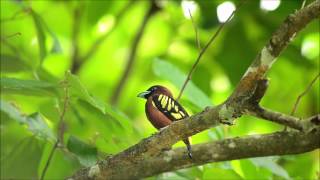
(204, 50)
(195, 30)
(77, 14)
(302, 94)
(61, 129)
(132, 54)
(16, 15)
(13, 35)
(49, 160)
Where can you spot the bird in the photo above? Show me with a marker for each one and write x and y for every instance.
(162, 109)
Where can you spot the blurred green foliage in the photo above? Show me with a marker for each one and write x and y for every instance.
(38, 41)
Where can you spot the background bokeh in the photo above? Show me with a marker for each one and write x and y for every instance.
(42, 40)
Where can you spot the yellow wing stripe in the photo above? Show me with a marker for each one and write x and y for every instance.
(153, 104)
(176, 108)
(160, 97)
(172, 104)
(176, 115)
(182, 114)
(164, 101)
(169, 104)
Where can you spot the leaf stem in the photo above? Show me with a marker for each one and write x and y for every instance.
(204, 50)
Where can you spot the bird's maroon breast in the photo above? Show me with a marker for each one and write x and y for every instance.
(156, 117)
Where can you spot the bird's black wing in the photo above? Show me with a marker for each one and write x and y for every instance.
(169, 107)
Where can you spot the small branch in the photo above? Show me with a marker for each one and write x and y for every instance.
(195, 31)
(12, 35)
(61, 129)
(96, 45)
(303, 93)
(77, 14)
(132, 54)
(277, 117)
(53, 149)
(204, 50)
(16, 15)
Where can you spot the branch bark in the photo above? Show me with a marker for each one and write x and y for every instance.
(130, 162)
(224, 150)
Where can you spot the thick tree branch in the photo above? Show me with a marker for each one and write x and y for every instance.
(277, 43)
(126, 164)
(227, 149)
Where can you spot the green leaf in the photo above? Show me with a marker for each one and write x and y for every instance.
(11, 63)
(56, 46)
(23, 161)
(12, 112)
(77, 90)
(271, 165)
(218, 173)
(170, 72)
(35, 123)
(39, 127)
(40, 34)
(251, 171)
(27, 87)
(86, 154)
(120, 117)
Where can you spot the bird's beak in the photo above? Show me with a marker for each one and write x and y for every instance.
(144, 94)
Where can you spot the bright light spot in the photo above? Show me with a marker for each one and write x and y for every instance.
(188, 6)
(105, 24)
(34, 41)
(269, 5)
(220, 84)
(310, 46)
(224, 10)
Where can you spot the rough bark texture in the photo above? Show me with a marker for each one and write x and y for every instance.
(148, 158)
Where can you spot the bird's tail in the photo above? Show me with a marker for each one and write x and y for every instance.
(187, 142)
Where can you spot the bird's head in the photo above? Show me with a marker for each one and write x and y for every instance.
(154, 90)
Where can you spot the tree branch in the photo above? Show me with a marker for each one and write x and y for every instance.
(223, 150)
(132, 54)
(303, 93)
(277, 117)
(126, 164)
(77, 14)
(61, 128)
